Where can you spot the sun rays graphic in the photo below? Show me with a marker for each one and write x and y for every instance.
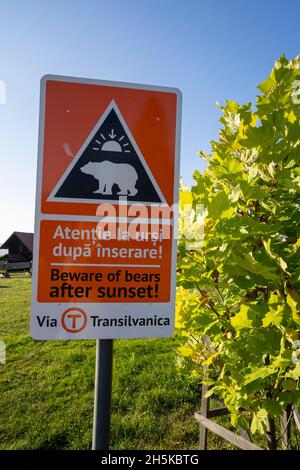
(111, 143)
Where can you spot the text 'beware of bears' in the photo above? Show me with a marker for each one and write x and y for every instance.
(65, 289)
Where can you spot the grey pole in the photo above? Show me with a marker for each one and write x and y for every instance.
(103, 386)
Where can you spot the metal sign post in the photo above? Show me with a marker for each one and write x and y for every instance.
(103, 387)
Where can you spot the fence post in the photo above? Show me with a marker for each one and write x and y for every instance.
(285, 427)
(204, 411)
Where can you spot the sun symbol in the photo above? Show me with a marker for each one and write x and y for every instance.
(113, 144)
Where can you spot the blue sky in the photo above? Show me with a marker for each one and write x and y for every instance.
(212, 50)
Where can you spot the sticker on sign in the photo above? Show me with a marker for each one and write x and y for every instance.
(106, 212)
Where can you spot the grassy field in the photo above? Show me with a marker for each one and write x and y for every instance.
(46, 398)
(47, 388)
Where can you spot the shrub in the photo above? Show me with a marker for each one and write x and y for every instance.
(238, 302)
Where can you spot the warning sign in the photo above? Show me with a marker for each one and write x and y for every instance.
(108, 165)
(107, 189)
(91, 268)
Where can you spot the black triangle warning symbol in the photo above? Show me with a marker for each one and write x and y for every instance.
(108, 165)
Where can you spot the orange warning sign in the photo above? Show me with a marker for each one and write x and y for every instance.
(92, 131)
(107, 190)
(79, 263)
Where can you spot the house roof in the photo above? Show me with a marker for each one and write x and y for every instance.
(25, 237)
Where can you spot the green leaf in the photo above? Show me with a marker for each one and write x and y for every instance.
(289, 385)
(234, 165)
(294, 373)
(280, 262)
(241, 320)
(259, 422)
(260, 373)
(250, 264)
(232, 106)
(272, 407)
(254, 425)
(287, 398)
(259, 136)
(292, 299)
(253, 172)
(273, 317)
(218, 204)
(269, 84)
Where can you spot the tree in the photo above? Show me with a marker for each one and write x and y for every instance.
(238, 302)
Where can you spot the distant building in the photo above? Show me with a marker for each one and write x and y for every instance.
(19, 246)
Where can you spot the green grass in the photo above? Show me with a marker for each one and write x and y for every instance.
(46, 388)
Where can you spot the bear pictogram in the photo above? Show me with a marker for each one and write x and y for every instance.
(109, 174)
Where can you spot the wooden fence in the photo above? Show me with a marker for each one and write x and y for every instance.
(8, 267)
(241, 440)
